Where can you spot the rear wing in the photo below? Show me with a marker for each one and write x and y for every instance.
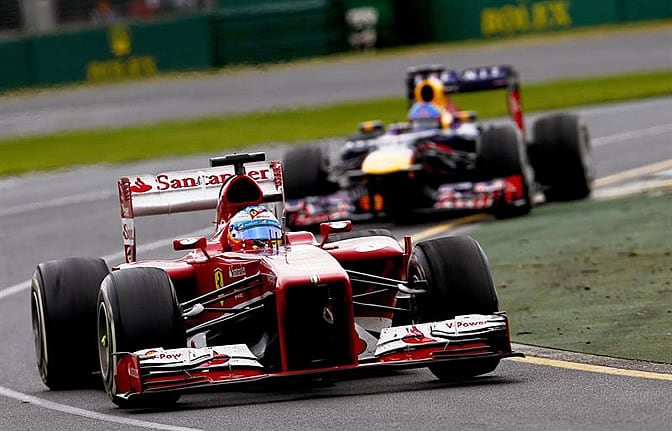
(472, 79)
(189, 190)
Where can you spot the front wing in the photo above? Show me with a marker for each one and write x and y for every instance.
(465, 339)
(356, 205)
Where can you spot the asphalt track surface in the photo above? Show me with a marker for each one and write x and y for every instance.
(49, 216)
(314, 83)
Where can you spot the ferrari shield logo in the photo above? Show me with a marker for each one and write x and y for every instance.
(219, 281)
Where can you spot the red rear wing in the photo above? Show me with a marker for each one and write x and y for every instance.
(188, 190)
(472, 79)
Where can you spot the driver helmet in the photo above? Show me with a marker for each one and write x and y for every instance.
(427, 115)
(254, 228)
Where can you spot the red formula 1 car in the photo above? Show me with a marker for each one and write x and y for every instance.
(441, 159)
(255, 303)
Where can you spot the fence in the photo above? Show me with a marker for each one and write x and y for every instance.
(37, 16)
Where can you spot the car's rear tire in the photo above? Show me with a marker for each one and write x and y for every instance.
(63, 312)
(561, 155)
(502, 154)
(459, 282)
(137, 309)
(305, 172)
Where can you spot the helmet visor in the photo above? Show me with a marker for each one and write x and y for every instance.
(263, 232)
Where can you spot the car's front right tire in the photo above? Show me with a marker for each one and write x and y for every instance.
(63, 313)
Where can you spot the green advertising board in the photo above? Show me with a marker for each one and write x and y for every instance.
(459, 20)
(641, 10)
(275, 31)
(15, 59)
(122, 51)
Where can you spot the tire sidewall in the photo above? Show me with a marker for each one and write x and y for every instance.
(38, 320)
(108, 366)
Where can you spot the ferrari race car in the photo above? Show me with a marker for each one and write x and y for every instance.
(254, 303)
(441, 158)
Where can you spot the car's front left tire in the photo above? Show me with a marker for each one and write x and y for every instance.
(456, 273)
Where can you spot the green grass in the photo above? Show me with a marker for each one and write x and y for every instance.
(228, 132)
(591, 276)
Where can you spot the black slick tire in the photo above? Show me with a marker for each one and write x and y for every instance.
(305, 172)
(459, 282)
(137, 309)
(502, 154)
(63, 312)
(561, 155)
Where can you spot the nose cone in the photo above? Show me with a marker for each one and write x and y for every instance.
(388, 161)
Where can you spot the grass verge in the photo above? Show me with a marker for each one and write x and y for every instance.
(224, 133)
(592, 277)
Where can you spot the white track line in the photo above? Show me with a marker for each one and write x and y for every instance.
(40, 402)
(632, 134)
(6, 392)
(55, 203)
(14, 289)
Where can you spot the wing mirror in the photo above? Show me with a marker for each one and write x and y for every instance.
(466, 116)
(194, 243)
(372, 127)
(328, 228)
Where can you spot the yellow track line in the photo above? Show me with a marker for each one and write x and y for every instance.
(444, 227)
(632, 173)
(593, 368)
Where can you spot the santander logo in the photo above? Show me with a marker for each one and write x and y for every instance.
(140, 186)
(174, 181)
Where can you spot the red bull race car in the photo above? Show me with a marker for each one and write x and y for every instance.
(255, 303)
(441, 158)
